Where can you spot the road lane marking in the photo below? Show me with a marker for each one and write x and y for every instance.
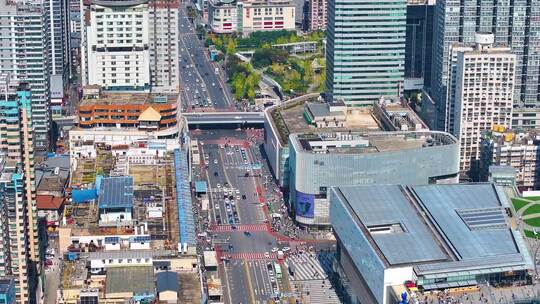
(250, 286)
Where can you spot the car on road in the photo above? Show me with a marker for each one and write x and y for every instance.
(243, 196)
(216, 174)
(247, 233)
(286, 249)
(215, 161)
(218, 186)
(275, 249)
(267, 255)
(217, 206)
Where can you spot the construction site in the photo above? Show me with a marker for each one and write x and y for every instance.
(153, 211)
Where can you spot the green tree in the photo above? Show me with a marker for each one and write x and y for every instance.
(231, 46)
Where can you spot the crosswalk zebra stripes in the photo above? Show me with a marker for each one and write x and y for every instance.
(241, 228)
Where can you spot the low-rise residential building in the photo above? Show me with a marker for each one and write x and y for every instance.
(518, 150)
(249, 16)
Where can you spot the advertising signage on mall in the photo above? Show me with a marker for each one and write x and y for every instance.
(305, 204)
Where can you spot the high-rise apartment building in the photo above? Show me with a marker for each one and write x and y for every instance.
(130, 47)
(164, 46)
(17, 188)
(365, 51)
(24, 54)
(513, 23)
(485, 91)
(115, 45)
(58, 19)
(317, 13)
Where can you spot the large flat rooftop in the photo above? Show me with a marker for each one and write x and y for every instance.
(437, 228)
(289, 118)
(129, 99)
(369, 142)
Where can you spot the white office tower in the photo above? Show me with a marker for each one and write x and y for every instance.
(115, 45)
(164, 46)
(24, 55)
(485, 79)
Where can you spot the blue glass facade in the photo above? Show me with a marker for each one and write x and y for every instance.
(365, 54)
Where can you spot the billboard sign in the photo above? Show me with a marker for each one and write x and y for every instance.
(305, 204)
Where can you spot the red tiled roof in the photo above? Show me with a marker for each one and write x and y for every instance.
(49, 202)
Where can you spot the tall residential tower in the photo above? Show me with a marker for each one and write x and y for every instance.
(514, 23)
(17, 187)
(24, 54)
(485, 80)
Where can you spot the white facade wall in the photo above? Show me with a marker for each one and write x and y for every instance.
(268, 17)
(119, 262)
(115, 217)
(223, 19)
(485, 97)
(116, 47)
(254, 17)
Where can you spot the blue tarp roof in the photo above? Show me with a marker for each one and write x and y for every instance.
(82, 196)
(200, 186)
(116, 192)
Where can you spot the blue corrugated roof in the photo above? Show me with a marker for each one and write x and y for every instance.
(183, 197)
(116, 192)
(167, 281)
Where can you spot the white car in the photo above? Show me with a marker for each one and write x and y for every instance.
(275, 249)
(267, 255)
(215, 162)
(218, 185)
(286, 249)
(217, 206)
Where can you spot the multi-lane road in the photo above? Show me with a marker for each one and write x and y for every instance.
(240, 231)
(202, 84)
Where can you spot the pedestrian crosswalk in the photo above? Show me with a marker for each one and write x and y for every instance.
(315, 292)
(240, 228)
(307, 267)
(252, 256)
(309, 277)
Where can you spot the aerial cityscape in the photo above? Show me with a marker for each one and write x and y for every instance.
(269, 151)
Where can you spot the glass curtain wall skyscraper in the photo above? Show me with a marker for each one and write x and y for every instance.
(514, 23)
(365, 54)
